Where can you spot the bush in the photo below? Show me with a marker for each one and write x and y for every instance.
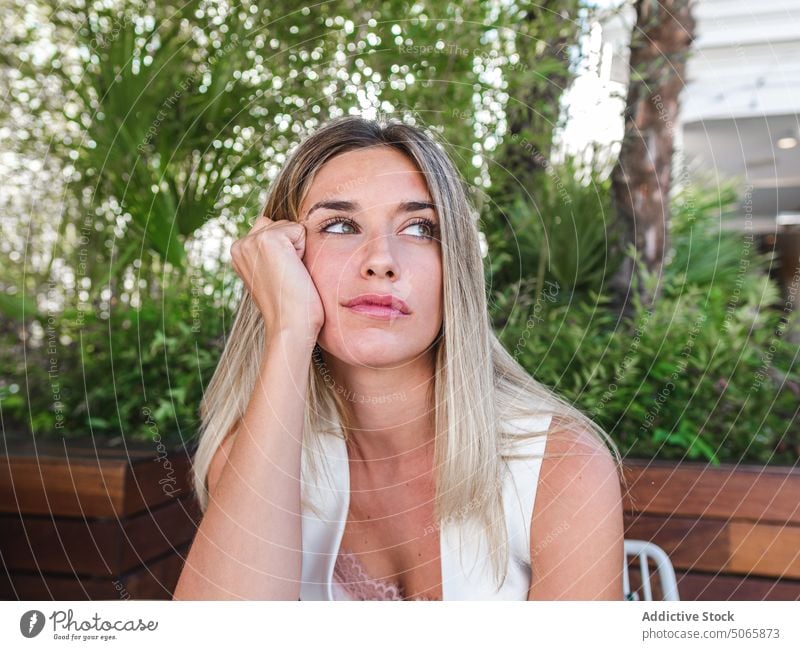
(706, 373)
(560, 234)
(139, 373)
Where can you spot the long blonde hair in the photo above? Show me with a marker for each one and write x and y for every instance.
(478, 385)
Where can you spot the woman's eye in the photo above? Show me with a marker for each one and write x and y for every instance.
(339, 222)
(425, 227)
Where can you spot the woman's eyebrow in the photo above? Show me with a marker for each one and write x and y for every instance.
(352, 206)
(413, 206)
(341, 206)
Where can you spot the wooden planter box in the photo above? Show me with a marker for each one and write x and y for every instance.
(732, 532)
(84, 522)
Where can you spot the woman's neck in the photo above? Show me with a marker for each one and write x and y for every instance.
(391, 412)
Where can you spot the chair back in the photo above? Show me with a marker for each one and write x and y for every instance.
(646, 551)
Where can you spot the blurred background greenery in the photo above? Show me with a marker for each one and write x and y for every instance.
(141, 139)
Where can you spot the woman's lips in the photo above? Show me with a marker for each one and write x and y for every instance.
(380, 312)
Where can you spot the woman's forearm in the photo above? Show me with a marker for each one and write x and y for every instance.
(248, 544)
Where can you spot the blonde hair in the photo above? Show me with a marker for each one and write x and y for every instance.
(478, 385)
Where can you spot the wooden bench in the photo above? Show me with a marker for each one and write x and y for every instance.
(732, 532)
(84, 522)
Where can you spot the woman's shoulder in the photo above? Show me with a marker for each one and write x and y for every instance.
(577, 467)
(558, 455)
(557, 424)
(571, 440)
(571, 446)
(578, 507)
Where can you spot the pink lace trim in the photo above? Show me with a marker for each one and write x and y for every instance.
(349, 573)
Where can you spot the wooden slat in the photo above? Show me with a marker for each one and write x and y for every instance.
(79, 479)
(47, 587)
(720, 546)
(96, 547)
(75, 448)
(157, 479)
(63, 545)
(697, 586)
(689, 543)
(701, 587)
(729, 491)
(158, 580)
(154, 533)
(155, 581)
(125, 518)
(764, 549)
(81, 487)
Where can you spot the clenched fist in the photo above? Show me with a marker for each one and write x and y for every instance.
(269, 261)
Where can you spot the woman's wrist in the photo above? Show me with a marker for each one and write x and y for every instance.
(291, 343)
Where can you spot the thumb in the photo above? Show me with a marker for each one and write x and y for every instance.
(297, 235)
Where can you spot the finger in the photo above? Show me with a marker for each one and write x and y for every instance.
(259, 224)
(297, 235)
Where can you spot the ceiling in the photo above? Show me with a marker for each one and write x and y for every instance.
(745, 149)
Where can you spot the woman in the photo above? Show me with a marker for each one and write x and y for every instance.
(365, 435)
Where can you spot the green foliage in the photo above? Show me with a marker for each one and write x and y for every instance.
(535, 87)
(708, 372)
(704, 254)
(137, 374)
(168, 115)
(560, 234)
(165, 123)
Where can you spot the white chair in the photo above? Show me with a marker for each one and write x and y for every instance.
(666, 574)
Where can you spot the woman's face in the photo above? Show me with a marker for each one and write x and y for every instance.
(367, 216)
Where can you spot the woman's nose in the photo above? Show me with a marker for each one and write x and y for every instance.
(379, 258)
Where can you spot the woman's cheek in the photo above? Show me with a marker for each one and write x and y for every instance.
(328, 277)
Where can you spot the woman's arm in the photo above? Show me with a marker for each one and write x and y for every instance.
(577, 529)
(248, 544)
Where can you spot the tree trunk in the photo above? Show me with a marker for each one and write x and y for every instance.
(535, 84)
(641, 178)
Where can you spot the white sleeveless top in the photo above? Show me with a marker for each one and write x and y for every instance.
(468, 577)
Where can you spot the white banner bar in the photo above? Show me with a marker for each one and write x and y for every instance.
(387, 625)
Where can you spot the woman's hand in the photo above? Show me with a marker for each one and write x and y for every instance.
(269, 261)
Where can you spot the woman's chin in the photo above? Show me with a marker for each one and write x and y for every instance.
(373, 357)
(373, 352)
